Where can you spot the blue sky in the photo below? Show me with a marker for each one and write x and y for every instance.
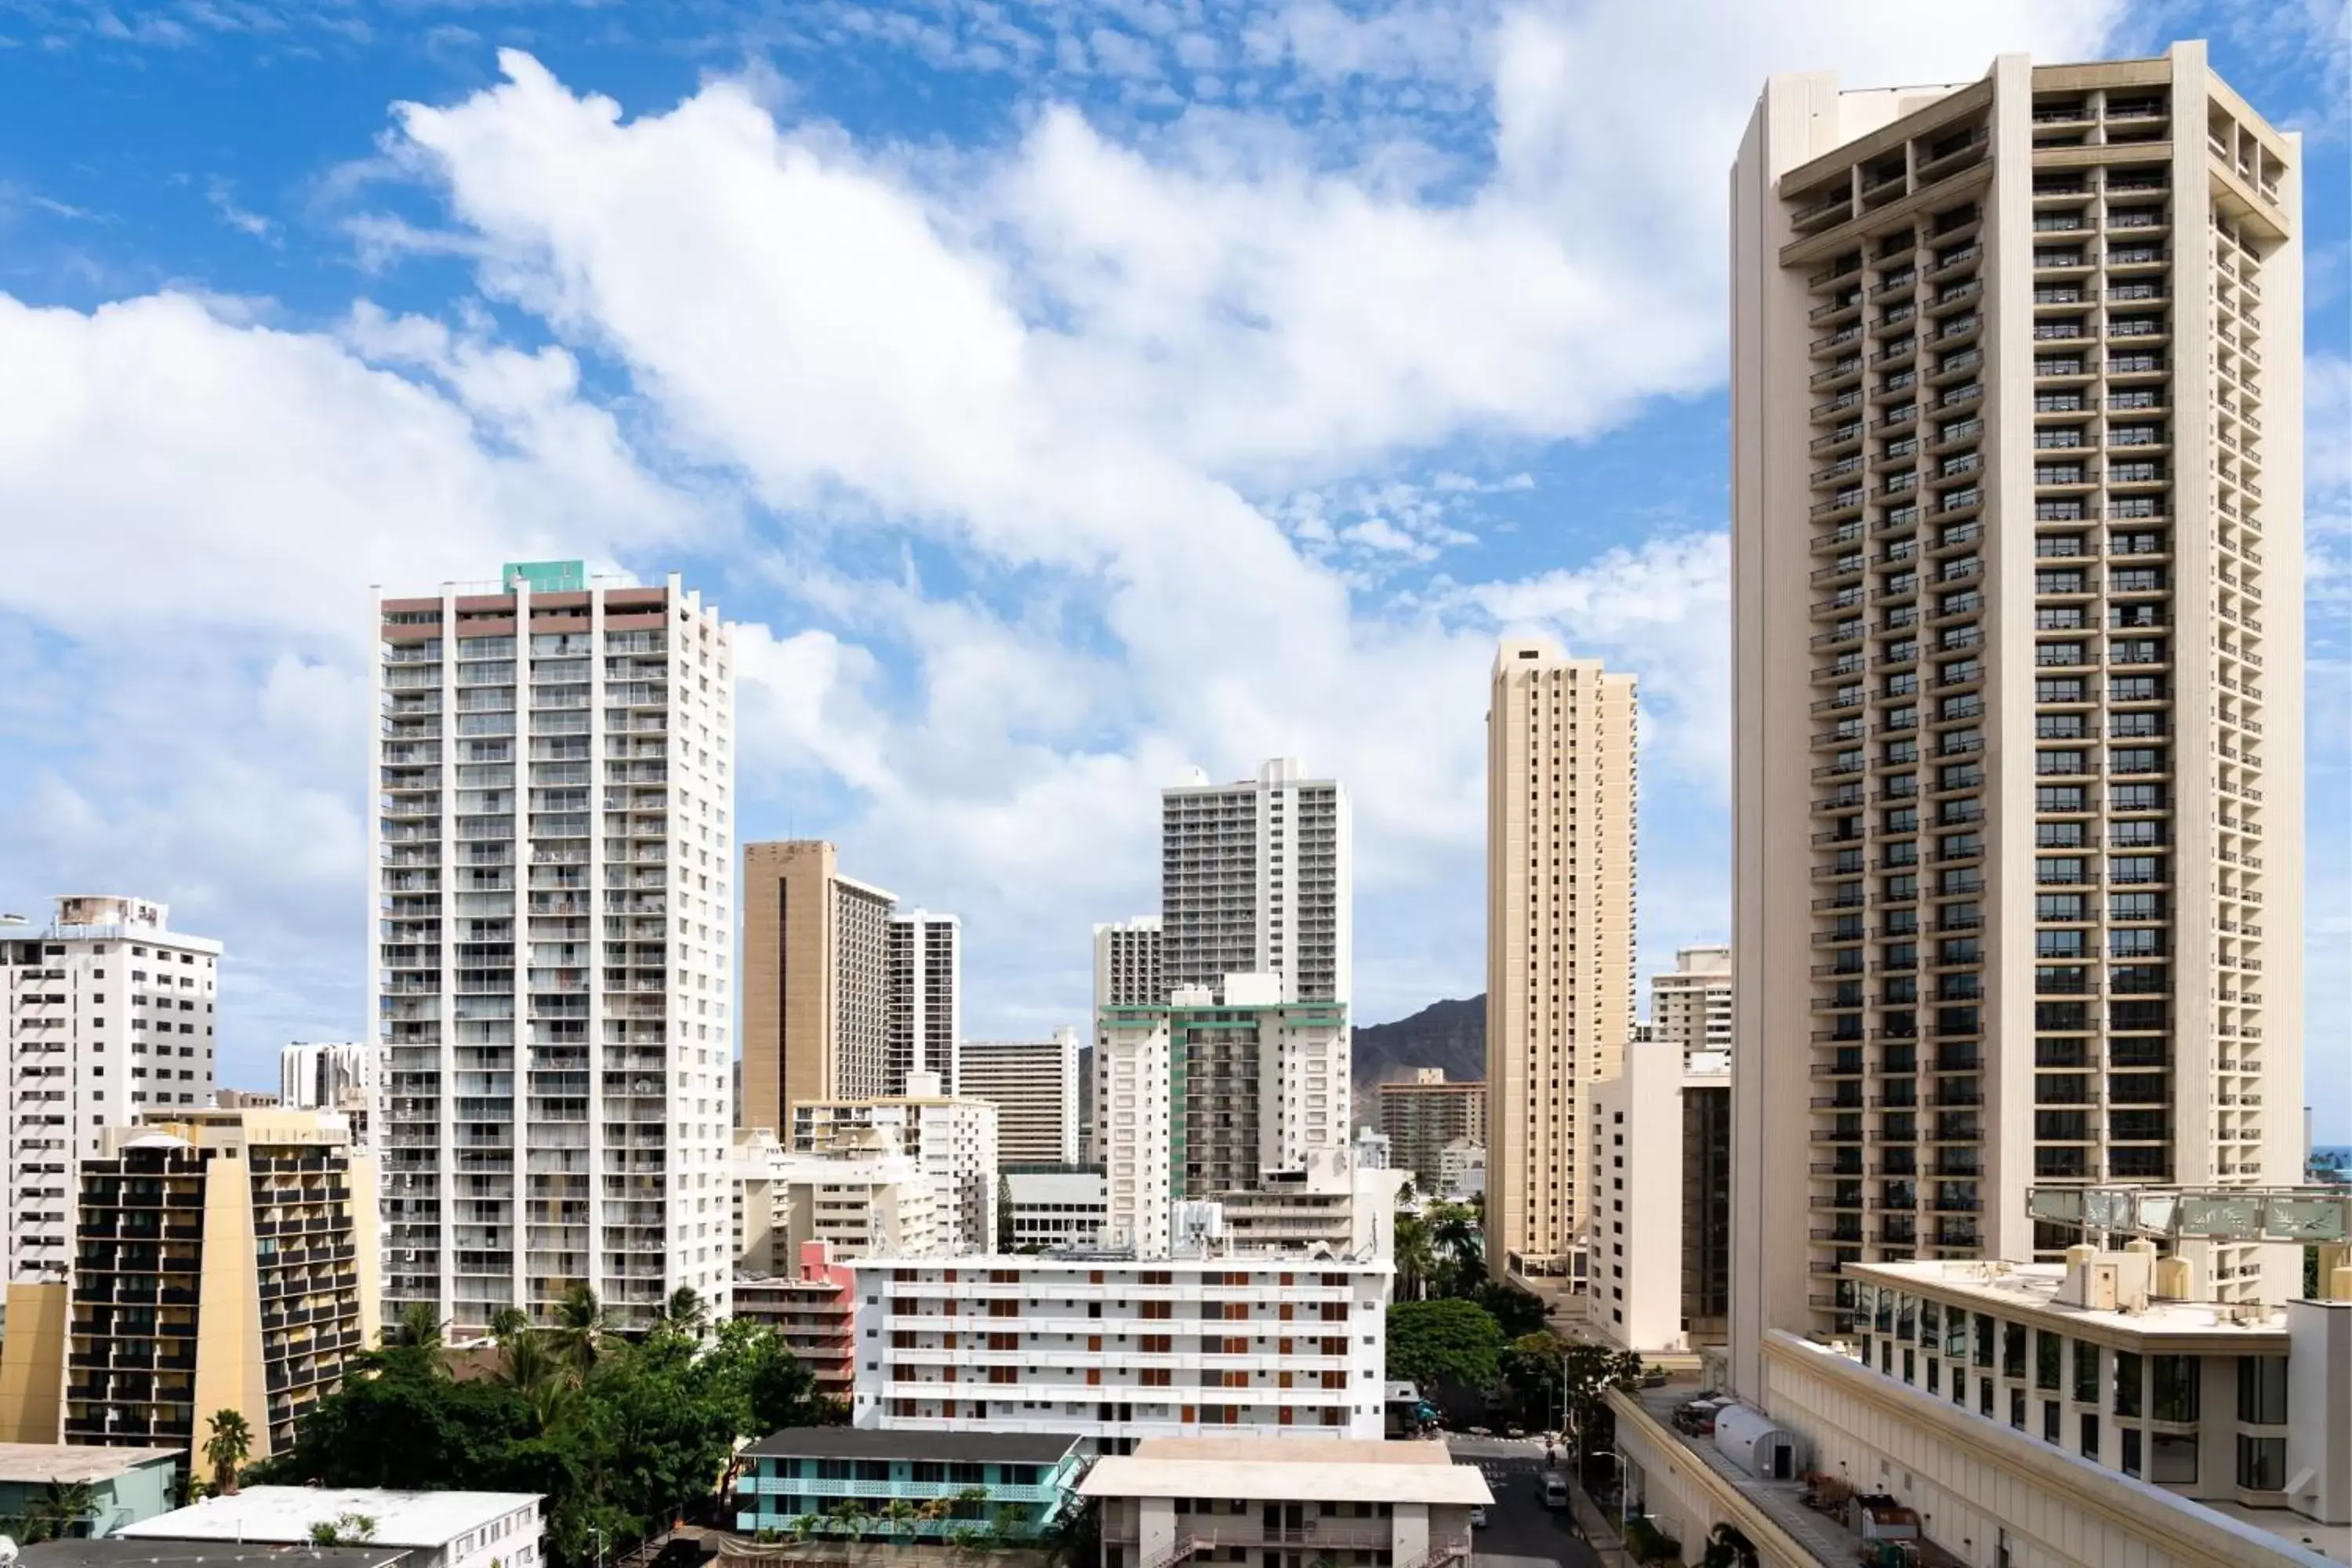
(1061, 396)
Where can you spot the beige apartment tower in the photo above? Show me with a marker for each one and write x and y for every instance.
(816, 982)
(1561, 793)
(2017, 536)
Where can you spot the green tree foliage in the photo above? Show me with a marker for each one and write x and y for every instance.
(1588, 1372)
(620, 1435)
(1518, 1312)
(1443, 1342)
(1530, 1365)
(343, 1530)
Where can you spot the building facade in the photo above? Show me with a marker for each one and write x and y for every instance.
(953, 1140)
(1690, 1004)
(435, 1529)
(1034, 1084)
(1422, 1114)
(1201, 1097)
(1055, 1208)
(1129, 966)
(551, 972)
(1016, 1484)
(816, 968)
(1561, 801)
(225, 1260)
(1117, 1349)
(1660, 1163)
(1255, 878)
(109, 1014)
(2017, 515)
(924, 1016)
(1342, 1502)
(809, 1308)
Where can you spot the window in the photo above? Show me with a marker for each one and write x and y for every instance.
(2050, 1422)
(2131, 1460)
(2262, 1390)
(2173, 1461)
(2127, 1383)
(2017, 1408)
(2086, 1373)
(2262, 1463)
(2090, 1446)
(2048, 1350)
(2175, 1395)
(2013, 1349)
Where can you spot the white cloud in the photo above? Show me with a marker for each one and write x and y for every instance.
(1065, 367)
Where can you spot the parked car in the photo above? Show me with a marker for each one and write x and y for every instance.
(1555, 1491)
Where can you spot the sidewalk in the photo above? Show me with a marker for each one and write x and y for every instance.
(1595, 1527)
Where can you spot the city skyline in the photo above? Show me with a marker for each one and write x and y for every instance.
(966, 666)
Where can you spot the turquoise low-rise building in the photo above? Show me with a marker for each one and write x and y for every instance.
(906, 1485)
(68, 1490)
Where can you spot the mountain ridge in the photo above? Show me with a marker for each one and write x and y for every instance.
(1449, 1034)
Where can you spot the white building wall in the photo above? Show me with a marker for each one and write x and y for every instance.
(1635, 1151)
(1085, 1351)
(1057, 1210)
(553, 908)
(109, 1013)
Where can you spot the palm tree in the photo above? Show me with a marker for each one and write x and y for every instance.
(851, 1515)
(225, 1449)
(1416, 1257)
(507, 1323)
(419, 1329)
(900, 1516)
(684, 1311)
(581, 1328)
(805, 1526)
(63, 1511)
(531, 1367)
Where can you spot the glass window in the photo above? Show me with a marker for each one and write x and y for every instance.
(2262, 1463)
(2174, 1461)
(2013, 1349)
(2049, 1351)
(2090, 1449)
(2050, 1419)
(1910, 1365)
(1931, 1324)
(2127, 1383)
(1984, 1338)
(2086, 1372)
(2131, 1462)
(2017, 1408)
(2176, 1397)
(2262, 1389)
(1955, 1335)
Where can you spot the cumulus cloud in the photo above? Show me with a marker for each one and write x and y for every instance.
(1050, 466)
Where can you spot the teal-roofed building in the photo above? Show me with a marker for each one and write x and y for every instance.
(1014, 1483)
(82, 1491)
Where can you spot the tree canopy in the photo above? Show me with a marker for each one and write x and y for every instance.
(620, 1435)
(1449, 1341)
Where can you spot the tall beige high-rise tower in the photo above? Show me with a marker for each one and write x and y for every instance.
(2017, 535)
(816, 982)
(1561, 793)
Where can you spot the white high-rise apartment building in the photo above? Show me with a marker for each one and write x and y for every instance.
(924, 965)
(952, 1139)
(553, 912)
(1117, 1349)
(1562, 785)
(2018, 535)
(318, 1076)
(1034, 1084)
(1128, 968)
(1690, 1004)
(109, 1014)
(1214, 1093)
(1254, 878)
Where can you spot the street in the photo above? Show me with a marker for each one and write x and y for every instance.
(1520, 1532)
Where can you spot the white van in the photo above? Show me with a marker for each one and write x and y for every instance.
(1555, 1491)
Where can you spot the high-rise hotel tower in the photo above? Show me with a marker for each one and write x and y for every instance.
(2017, 536)
(554, 846)
(1561, 783)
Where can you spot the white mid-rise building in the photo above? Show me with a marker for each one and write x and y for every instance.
(436, 1529)
(1117, 1349)
(924, 983)
(1659, 1151)
(553, 908)
(951, 1138)
(1130, 963)
(109, 1014)
(1255, 878)
(1690, 1004)
(345, 1076)
(1055, 1210)
(1034, 1084)
(863, 1196)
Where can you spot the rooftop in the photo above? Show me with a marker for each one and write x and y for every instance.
(114, 1551)
(38, 1464)
(876, 1443)
(2033, 1288)
(286, 1513)
(1336, 1470)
